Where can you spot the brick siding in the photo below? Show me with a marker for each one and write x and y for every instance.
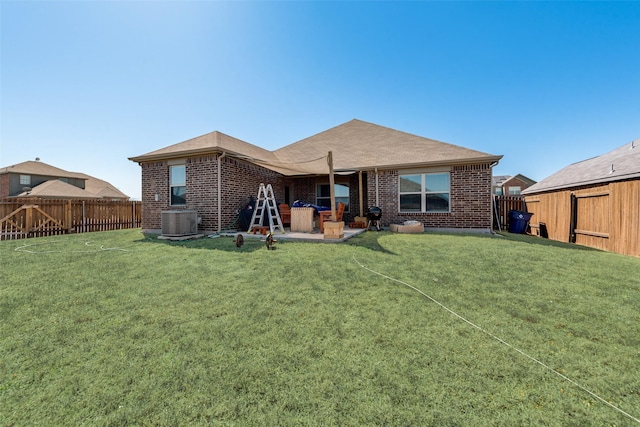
(5, 188)
(514, 182)
(470, 200)
(240, 180)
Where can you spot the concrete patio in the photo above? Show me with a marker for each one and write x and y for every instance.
(314, 236)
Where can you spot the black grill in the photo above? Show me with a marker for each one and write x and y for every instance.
(373, 215)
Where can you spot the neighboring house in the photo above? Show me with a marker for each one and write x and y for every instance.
(409, 177)
(594, 203)
(506, 185)
(38, 179)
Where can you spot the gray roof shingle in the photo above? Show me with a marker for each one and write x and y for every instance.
(93, 186)
(355, 145)
(619, 164)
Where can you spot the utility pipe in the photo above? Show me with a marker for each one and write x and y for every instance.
(377, 204)
(220, 157)
(360, 193)
(494, 211)
(332, 190)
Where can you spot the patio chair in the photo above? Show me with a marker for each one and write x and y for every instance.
(285, 213)
(326, 215)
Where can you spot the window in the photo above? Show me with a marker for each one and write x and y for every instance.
(514, 190)
(425, 192)
(25, 180)
(498, 191)
(323, 195)
(178, 185)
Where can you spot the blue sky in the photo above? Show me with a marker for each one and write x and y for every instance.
(87, 84)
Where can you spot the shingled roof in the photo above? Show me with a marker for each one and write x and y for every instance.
(101, 188)
(93, 187)
(355, 145)
(210, 143)
(31, 167)
(361, 145)
(620, 164)
(56, 189)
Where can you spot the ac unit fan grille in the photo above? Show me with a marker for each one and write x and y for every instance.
(179, 223)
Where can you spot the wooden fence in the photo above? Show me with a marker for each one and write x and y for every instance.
(501, 207)
(23, 218)
(603, 216)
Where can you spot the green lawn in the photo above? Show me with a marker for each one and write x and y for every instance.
(118, 328)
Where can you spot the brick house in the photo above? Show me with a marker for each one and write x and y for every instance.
(41, 180)
(507, 185)
(409, 177)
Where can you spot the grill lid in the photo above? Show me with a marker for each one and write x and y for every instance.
(374, 213)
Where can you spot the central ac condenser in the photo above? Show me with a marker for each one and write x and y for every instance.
(179, 223)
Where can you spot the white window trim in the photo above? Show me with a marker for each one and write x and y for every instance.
(516, 190)
(423, 193)
(172, 185)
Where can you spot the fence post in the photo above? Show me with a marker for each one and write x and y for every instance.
(67, 217)
(28, 219)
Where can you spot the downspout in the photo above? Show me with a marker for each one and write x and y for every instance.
(376, 170)
(494, 212)
(220, 157)
(361, 196)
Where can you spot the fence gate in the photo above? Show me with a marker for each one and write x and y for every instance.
(589, 222)
(30, 220)
(22, 218)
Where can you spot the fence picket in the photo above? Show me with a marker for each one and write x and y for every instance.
(502, 206)
(22, 218)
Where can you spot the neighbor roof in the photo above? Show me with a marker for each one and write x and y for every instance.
(38, 168)
(498, 180)
(55, 188)
(101, 188)
(355, 145)
(619, 164)
(92, 185)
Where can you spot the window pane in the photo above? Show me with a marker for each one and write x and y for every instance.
(323, 190)
(438, 202)
(410, 203)
(410, 183)
(514, 190)
(437, 182)
(341, 190)
(25, 179)
(178, 175)
(178, 195)
(324, 202)
(344, 200)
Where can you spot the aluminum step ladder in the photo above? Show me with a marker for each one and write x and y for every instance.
(266, 203)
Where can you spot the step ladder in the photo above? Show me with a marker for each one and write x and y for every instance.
(266, 202)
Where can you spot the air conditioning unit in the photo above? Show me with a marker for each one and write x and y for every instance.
(179, 223)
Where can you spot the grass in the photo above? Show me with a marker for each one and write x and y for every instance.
(118, 328)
